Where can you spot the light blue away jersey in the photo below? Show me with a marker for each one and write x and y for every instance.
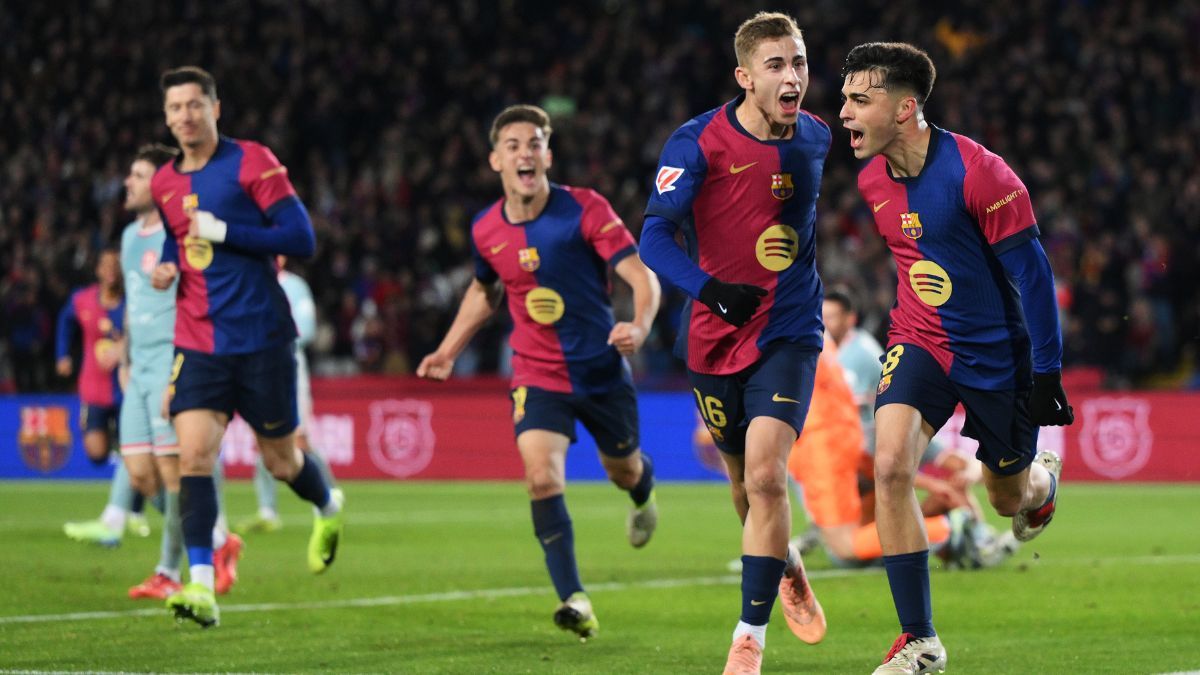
(151, 320)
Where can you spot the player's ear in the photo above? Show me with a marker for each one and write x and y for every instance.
(217, 109)
(494, 160)
(744, 80)
(549, 157)
(906, 109)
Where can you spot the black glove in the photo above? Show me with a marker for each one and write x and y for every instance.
(1048, 402)
(735, 303)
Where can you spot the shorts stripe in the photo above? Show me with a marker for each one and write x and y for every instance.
(136, 449)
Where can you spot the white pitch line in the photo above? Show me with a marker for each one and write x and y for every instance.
(391, 600)
(487, 593)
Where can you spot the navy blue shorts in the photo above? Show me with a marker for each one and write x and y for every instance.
(778, 385)
(999, 420)
(611, 418)
(98, 418)
(260, 386)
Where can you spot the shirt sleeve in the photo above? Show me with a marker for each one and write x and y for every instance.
(681, 171)
(170, 249)
(998, 200)
(603, 229)
(1028, 265)
(483, 269)
(290, 233)
(263, 177)
(667, 259)
(65, 328)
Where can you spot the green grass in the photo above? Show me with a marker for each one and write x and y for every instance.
(1112, 587)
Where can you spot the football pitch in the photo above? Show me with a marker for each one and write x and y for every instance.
(447, 578)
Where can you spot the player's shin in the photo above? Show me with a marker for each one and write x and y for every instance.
(640, 492)
(172, 539)
(554, 531)
(908, 577)
(760, 586)
(198, 514)
(310, 486)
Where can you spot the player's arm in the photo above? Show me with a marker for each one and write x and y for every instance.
(289, 233)
(64, 331)
(478, 305)
(607, 235)
(681, 172)
(663, 255)
(1000, 203)
(1028, 265)
(168, 260)
(123, 361)
(734, 303)
(628, 336)
(265, 180)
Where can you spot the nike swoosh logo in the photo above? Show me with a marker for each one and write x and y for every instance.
(1057, 405)
(783, 399)
(1009, 462)
(880, 205)
(272, 425)
(738, 169)
(552, 538)
(272, 172)
(498, 247)
(722, 308)
(167, 197)
(606, 228)
(758, 603)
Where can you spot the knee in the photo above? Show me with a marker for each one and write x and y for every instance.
(892, 473)
(1006, 503)
(95, 444)
(279, 467)
(144, 482)
(766, 483)
(624, 474)
(543, 482)
(194, 463)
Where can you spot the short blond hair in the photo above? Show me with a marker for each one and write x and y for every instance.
(762, 26)
(522, 112)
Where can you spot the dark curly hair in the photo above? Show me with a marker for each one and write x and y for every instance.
(898, 64)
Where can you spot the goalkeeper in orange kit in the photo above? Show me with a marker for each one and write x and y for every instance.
(828, 461)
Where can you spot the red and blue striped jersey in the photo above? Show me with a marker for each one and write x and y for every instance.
(747, 209)
(945, 227)
(229, 300)
(555, 272)
(101, 327)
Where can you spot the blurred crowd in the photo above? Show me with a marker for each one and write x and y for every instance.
(381, 109)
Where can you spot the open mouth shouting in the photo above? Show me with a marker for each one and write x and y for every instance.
(527, 176)
(789, 103)
(856, 138)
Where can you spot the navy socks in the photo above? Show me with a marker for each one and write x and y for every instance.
(908, 575)
(198, 515)
(552, 525)
(760, 585)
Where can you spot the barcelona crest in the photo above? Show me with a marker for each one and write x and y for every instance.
(781, 186)
(44, 437)
(910, 225)
(884, 383)
(528, 257)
